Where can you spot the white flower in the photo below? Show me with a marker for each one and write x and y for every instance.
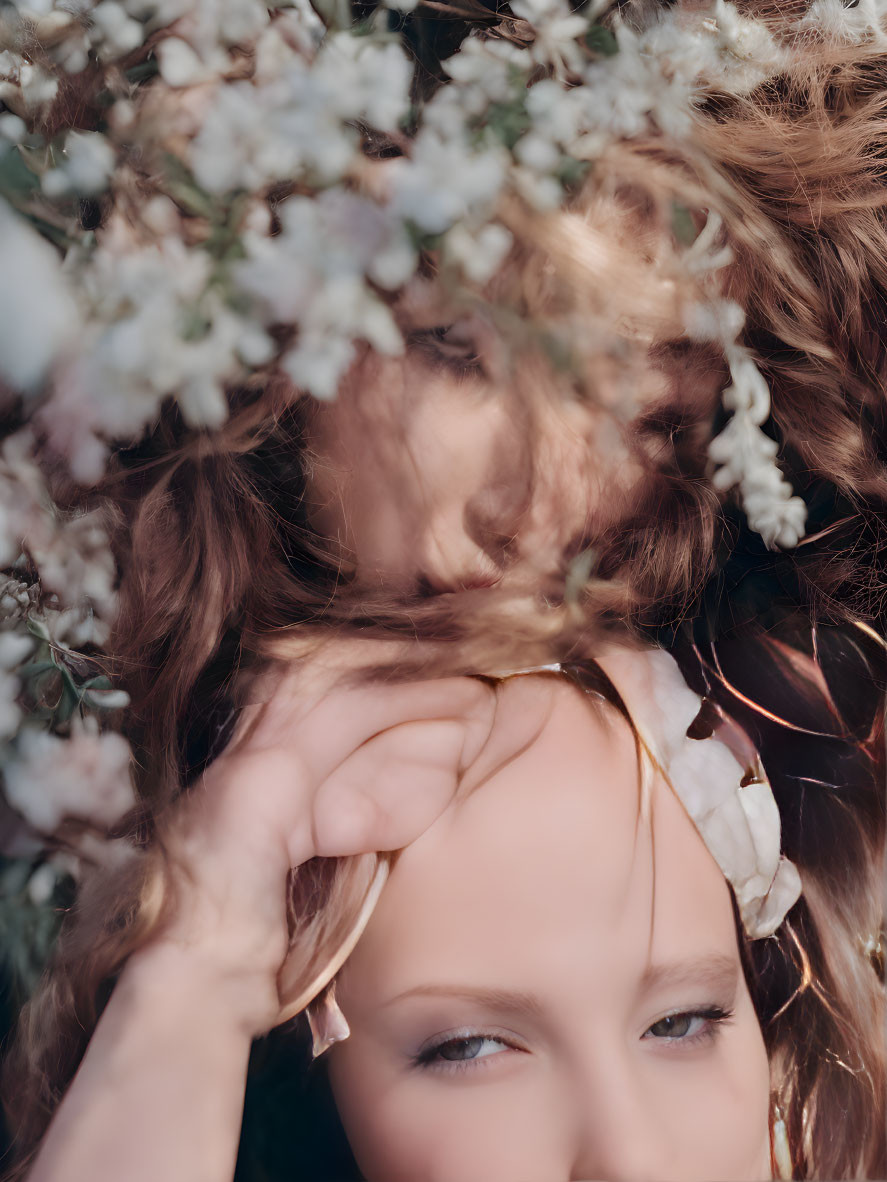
(86, 775)
(556, 29)
(313, 275)
(38, 316)
(445, 180)
(12, 128)
(486, 68)
(715, 46)
(156, 330)
(319, 361)
(14, 647)
(840, 22)
(41, 884)
(114, 32)
(10, 711)
(747, 457)
(179, 64)
(86, 169)
(479, 253)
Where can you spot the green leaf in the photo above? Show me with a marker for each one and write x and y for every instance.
(572, 172)
(38, 628)
(36, 669)
(143, 71)
(580, 572)
(17, 181)
(682, 224)
(602, 41)
(508, 121)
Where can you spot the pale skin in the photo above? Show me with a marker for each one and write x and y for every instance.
(578, 1079)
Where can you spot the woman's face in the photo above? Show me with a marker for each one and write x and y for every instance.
(550, 987)
(433, 476)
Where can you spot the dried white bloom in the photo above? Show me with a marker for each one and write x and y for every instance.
(740, 825)
(16, 599)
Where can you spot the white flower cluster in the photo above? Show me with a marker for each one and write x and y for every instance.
(745, 455)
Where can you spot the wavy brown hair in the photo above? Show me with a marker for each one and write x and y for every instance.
(217, 555)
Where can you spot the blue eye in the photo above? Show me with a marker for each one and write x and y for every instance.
(688, 1025)
(461, 1051)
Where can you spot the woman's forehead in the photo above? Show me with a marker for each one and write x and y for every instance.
(548, 856)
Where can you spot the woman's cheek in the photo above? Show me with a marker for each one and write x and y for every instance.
(417, 1129)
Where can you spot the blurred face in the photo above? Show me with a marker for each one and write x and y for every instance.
(550, 988)
(432, 476)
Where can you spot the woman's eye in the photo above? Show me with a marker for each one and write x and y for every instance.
(688, 1026)
(461, 1050)
(450, 346)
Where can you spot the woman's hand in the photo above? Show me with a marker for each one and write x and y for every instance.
(326, 767)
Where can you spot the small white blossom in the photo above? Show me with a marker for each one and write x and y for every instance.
(313, 274)
(114, 32)
(87, 776)
(179, 64)
(12, 128)
(297, 122)
(14, 647)
(38, 316)
(41, 884)
(446, 180)
(715, 46)
(88, 163)
(747, 457)
(844, 23)
(556, 29)
(480, 254)
(487, 68)
(10, 711)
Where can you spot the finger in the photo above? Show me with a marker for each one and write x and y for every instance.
(390, 791)
(323, 734)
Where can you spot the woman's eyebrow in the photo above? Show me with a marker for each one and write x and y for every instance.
(715, 971)
(512, 1001)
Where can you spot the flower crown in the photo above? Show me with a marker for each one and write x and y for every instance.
(179, 125)
(182, 207)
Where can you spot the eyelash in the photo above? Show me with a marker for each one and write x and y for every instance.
(713, 1016)
(429, 1058)
(432, 343)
